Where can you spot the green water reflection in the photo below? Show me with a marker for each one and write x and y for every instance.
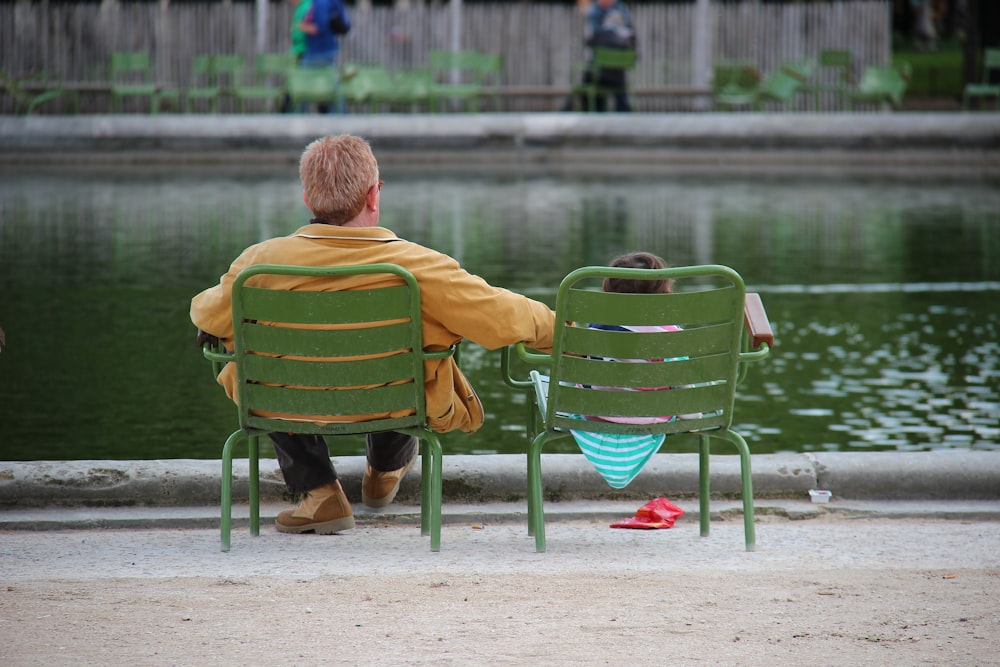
(883, 294)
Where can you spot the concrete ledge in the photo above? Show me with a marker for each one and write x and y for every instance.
(937, 475)
(905, 139)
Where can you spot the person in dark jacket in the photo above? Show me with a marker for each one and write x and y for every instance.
(322, 42)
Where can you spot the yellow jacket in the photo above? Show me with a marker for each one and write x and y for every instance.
(455, 305)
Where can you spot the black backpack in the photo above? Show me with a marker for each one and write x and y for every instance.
(339, 26)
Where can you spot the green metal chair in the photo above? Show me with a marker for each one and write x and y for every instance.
(214, 77)
(735, 84)
(269, 74)
(882, 86)
(314, 85)
(603, 59)
(132, 76)
(780, 88)
(489, 74)
(360, 83)
(592, 371)
(834, 76)
(310, 361)
(783, 86)
(455, 77)
(202, 85)
(229, 70)
(373, 87)
(987, 87)
(27, 101)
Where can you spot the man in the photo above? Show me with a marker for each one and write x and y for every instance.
(609, 25)
(322, 44)
(340, 178)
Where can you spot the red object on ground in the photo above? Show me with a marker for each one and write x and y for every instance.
(657, 513)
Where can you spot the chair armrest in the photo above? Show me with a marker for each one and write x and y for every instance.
(452, 351)
(218, 355)
(535, 358)
(525, 356)
(756, 320)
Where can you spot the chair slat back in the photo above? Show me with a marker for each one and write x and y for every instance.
(615, 58)
(991, 65)
(312, 84)
(130, 67)
(228, 70)
(603, 369)
(336, 361)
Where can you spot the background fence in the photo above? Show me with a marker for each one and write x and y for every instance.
(542, 44)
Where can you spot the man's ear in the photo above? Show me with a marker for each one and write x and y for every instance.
(305, 200)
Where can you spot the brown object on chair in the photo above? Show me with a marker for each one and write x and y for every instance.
(756, 320)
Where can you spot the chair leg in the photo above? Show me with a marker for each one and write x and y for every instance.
(254, 461)
(536, 515)
(431, 499)
(532, 432)
(425, 490)
(704, 490)
(746, 479)
(226, 502)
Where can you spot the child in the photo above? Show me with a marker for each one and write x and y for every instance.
(637, 260)
(620, 457)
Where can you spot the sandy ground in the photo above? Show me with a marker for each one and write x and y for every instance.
(828, 591)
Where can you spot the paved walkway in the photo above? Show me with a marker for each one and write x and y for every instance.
(872, 536)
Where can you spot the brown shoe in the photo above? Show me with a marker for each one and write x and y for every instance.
(378, 489)
(324, 511)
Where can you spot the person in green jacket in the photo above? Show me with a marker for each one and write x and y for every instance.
(298, 35)
(298, 40)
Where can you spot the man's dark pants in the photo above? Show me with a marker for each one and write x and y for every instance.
(305, 459)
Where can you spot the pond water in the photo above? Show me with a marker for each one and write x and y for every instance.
(884, 295)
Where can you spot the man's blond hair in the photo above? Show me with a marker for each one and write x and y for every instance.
(337, 173)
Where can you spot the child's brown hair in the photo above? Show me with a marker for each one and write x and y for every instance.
(638, 260)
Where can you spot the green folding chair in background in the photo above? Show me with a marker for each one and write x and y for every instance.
(784, 86)
(603, 59)
(735, 84)
(779, 88)
(311, 361)
(834, 77)
(314, 85)
(214, 77)
(131, 75)
(270, 72)
(989, 86)
(685, 383)
(229, 70)
(881, 86)
(455, 79)
(202, 85)
(489, 74)
(28, 102)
